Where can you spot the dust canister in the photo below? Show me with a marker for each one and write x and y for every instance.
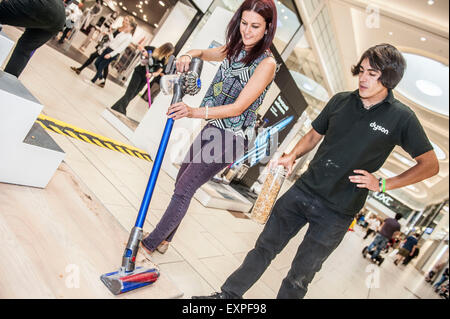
(268, 195)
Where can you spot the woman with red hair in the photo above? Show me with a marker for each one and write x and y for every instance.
(230, 106)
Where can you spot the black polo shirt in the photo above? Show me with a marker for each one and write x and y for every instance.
(356, 138)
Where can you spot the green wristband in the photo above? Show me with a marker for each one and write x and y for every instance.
(384, 186)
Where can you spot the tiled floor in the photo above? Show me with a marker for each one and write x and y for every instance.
(210, 243)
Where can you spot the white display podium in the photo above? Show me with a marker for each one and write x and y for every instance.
(29, 156)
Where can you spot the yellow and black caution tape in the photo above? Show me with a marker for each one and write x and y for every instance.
(62, 128)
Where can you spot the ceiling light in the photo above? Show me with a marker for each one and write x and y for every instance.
(125, 8)
(423, 39)
(429, 88)
(440, 154)
(134, 13)
(120, 3)
(156, 25)
(430, 2)
(162, 3)
(146, 2)
(282, 10)
(285, 17)
(391, 33)
(140, 10)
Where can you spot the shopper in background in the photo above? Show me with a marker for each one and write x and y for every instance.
(359, 131)
(42, 21)
(230, 103)
(102, 45)
(73, 19)
(155, 62)
(389, 228)
(112, 52)
(408, 248)
(444, 277)
(408, 258)
(373, 225)
(435, 270)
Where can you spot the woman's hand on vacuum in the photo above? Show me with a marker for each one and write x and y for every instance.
(107, 56)
(183, 63)
(179, 110)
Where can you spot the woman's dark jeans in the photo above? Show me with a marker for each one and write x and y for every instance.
(206, 157)
(291, 212)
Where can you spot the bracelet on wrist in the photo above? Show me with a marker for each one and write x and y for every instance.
(381, 185)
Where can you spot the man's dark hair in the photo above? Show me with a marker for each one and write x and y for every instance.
(398, 216)
(386, 59)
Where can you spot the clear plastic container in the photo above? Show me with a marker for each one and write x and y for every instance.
(268, 195)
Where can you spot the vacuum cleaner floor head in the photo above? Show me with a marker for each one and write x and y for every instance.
(119, 282)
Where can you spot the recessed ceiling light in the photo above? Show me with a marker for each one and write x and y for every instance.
(285, 17)
(134, 13)
(162, 3)
(391, 33)
(430, 2)
(423, 39)
(120, 3)
(156, 25)
(282, 10)
(125, 8)
(429, 88)
(146, 2)
(141, 11)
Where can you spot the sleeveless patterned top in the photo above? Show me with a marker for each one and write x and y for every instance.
(226, 86)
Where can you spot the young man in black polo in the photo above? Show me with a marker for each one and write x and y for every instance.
(359, 130)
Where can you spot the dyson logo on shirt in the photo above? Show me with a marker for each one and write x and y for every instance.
(377, 127)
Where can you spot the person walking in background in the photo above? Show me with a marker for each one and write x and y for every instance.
(408, 248)
(444, 277)
(112, 51)
(101, 46)
(155, 62)
(389, 228)
(73, 19)
(373, 225)
(435, 270)
(410, 257)
(42, 21)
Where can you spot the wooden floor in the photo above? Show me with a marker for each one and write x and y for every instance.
(59, 240)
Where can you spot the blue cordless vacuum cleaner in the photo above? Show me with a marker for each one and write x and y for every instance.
(128, 277)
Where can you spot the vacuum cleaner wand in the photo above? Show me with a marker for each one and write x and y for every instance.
(128, 278)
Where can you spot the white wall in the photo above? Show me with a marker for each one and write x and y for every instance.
(174, 25)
